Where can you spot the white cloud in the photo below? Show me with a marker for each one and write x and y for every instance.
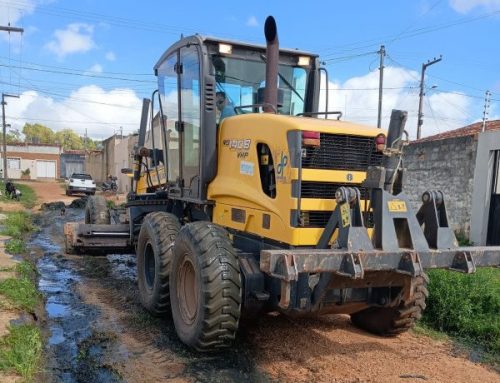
(252, 22)
(96, 68)
(90, 107)
(13, 13)
(464, 6)
(357, 98)
(110, 56)
(76, 38)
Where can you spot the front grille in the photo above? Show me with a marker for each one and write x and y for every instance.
(326, 190)
(342, 152)
(314, 218)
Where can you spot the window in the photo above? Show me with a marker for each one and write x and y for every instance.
(13, 163)
(190, 116)
(167, 80)
(266, 170)
(241, 82)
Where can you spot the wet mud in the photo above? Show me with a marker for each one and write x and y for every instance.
(97, 331)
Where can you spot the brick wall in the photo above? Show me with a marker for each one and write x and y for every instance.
(28, 161)
(446, 165)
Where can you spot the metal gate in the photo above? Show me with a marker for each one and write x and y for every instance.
(45, 169)
(73, 167)
(493, 237)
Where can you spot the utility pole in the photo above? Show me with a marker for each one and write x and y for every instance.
(11, 29)
(85, 151)
(4, 125)
(381, 52)
(8, 29)
(486, 111)
(421, 95)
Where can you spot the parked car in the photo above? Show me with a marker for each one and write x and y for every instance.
(80, 183)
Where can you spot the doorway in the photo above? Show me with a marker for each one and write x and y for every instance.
(493, 236)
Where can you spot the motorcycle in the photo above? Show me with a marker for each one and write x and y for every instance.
(110, 186)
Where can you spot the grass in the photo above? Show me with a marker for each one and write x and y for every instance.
(28, 197)
(424, 330)
(18, 224)
(21, 292)
(466, 307)
(15, 246)
(20, 350)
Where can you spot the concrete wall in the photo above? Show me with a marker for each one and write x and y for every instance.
(124, 159)
(94, 165)
(447, 165)
(115, 155)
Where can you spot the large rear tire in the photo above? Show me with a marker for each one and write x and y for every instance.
(205, 287)
(96, 211)
(391, 321)
(154, 256)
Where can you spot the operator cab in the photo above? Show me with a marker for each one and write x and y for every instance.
(204, 80)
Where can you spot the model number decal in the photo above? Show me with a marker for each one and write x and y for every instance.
(234, 144)
(396, 206)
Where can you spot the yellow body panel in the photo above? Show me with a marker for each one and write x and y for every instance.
(142, 184)
(238, 185)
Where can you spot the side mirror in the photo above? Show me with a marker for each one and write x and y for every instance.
(127, 171)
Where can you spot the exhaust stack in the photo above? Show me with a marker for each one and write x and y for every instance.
(272, 59)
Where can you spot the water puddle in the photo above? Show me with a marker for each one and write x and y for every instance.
(86, 341)
(74, 356)
(57, 335)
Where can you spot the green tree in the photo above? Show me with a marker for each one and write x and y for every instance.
(68, 139)
(41, 134)
(13, 136)
(38, 134)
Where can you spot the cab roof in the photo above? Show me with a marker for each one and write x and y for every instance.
(201, 40)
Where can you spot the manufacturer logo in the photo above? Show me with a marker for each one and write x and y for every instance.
(349, 177)
(283, 162)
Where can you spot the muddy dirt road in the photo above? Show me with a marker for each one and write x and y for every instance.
(97, 332)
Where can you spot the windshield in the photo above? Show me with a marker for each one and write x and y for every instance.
(241, 82)
(81, 176)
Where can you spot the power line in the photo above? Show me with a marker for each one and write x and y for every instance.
(414, 32)
(81, 70)
(76, 74)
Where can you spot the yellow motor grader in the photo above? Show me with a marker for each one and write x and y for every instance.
(247, 199)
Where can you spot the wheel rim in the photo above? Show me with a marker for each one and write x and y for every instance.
(149, 266)
(187, 291)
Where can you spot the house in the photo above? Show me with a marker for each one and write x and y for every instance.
(116, 154)
(33, 161)
(72, 161)
(465, 165)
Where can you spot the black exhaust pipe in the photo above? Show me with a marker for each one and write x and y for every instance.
(272, 59)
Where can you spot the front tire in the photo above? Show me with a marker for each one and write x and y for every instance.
(96, 211)
(154, 256)
(391, 321)
(205, 287)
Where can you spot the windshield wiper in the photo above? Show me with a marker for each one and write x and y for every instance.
(287, 83)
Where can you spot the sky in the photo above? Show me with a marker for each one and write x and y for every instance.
(87, 65)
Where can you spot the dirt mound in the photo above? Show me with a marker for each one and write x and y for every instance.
(57, 205)
(78, 203)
